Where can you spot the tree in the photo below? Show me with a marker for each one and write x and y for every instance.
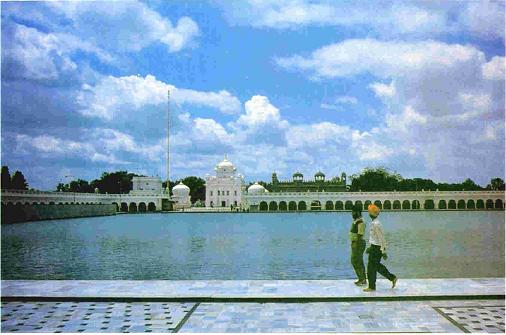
(197, 187)
(496, 184)
(469, 185)
(18, 181)
(6, 178)
(81, 186)
(62, 187)
(119, 182)
(379, 179)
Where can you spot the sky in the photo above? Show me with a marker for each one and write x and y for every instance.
(278, 86)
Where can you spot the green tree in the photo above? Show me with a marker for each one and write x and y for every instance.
(6, 178)
(469, 185)
(18, 181)
(496, 184)
(80, 186)
(119, 182)
(62, 187)
(197, 188)
(379, 179)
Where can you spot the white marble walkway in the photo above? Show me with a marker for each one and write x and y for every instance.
(254, 289)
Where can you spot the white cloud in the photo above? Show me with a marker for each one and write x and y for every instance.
(259, 111)
(495, 69)
(382, 59)
(440, 98)
(382, 90)
(113, 95)
(484, 19)
(44, 56)
(126, 25)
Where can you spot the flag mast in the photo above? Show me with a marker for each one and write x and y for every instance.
(168, 143)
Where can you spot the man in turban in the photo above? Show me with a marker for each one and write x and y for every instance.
(377, 250)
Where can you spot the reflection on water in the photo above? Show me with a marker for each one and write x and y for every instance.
(249, 246)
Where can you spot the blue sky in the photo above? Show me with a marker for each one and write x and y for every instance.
(417, 87)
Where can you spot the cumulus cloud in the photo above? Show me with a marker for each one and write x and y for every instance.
(28, 53)
(113, 95)
(436, 96)
(126, 25)
(95, 145)
(495, 69)
(484, 19)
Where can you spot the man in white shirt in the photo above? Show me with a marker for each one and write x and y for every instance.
(377, 250)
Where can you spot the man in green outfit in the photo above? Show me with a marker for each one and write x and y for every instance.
(357, 232)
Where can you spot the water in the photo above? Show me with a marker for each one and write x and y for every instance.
(249, 246)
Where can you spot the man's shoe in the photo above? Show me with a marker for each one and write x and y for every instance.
(394, 281)
(368, 289)
(360, 282)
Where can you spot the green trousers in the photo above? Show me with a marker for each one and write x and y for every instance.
(357, 258)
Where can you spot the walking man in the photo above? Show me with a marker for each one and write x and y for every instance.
(377, 250)
(357, 233)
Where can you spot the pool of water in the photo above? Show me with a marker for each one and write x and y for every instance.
(249, 246)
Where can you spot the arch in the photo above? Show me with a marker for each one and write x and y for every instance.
(316, 205)
(442, 204)
(348, 205)
(302, 206)
(116, 205)
(339, 206)
(387, 204)
(428, 204)
(480, 204)
(415, 204)
(490, 204)
(263, 206)
(406, 204)
(397, 204)
(282, 206)
(151, 207)
(124, 207)
(292, 206)
(142, 207)
(366, 204)
(452, 204)
(34, 203)
(329, 205)
(499, 204)
(471, 204)
(358, 203)
(461, 204)
(51, 203)
(379, 204)
(132, 207)
(273, 206)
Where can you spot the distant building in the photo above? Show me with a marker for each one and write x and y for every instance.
(146, 185)
(298, 184)
(226, 187)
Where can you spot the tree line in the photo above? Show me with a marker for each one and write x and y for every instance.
(381, 179)
(15, 182)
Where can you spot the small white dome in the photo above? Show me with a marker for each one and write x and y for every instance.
(181, 190)
(256, 188)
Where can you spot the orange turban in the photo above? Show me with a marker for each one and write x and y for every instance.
(373, 210)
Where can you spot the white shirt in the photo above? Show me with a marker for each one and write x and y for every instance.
(376, 235)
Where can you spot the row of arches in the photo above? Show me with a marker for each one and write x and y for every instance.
(123, 207)
(133, 207)
(429, 204)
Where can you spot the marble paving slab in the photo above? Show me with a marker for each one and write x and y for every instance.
(252, 289)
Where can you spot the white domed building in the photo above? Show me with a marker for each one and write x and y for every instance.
(225, 188)
(181, 196)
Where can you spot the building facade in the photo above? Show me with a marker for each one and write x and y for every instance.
(298, 184)
(146, 185)
(226, 187)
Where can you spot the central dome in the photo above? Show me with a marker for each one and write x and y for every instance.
(225, 168)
